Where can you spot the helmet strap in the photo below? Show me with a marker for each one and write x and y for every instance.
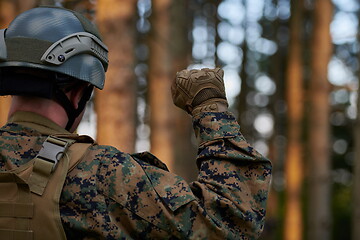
(72, 112)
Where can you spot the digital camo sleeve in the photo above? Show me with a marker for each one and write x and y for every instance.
(233, 181)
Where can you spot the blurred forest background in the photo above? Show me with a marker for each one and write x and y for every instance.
(292, 79)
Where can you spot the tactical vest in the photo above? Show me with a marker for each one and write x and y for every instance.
(29, 195)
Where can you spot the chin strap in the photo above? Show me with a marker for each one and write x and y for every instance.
(73, 113)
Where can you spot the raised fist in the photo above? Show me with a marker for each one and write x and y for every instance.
(198, 91)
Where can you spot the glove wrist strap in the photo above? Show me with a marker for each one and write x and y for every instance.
(218, 105)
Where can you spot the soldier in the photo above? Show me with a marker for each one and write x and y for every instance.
(56, 184)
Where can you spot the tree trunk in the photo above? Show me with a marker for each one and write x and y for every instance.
(47, 2)
(185, 149)
(293, 166)
(319, 129)
(160, 78)
(116, 104)
(277, 150)
(242, 107)
(85, 7)
(356, 180)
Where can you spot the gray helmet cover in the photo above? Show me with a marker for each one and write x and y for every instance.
(55, 39)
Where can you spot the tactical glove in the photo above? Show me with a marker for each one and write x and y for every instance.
(198, 91)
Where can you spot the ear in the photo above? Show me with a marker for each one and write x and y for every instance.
(76, 95)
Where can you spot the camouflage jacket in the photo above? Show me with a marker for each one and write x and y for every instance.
(114, 195)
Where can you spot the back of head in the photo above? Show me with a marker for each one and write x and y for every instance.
(45, 48)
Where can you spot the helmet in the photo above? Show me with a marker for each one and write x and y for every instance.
(56, 40)
(47, 47)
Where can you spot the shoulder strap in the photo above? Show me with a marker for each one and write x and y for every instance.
(51, 196)
(46, 161)
(53, 149)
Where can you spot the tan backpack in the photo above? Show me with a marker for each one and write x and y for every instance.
(29, 195)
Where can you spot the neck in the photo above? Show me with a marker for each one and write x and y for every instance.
(44, 107)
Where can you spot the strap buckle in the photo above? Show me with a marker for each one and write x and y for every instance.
(53, 150)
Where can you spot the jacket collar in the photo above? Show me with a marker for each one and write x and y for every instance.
(37, 122)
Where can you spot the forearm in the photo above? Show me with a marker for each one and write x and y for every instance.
(234, 178)
(219, 136)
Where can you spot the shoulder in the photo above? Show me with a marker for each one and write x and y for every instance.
(18, 145)
(139, 181)
(112, 158)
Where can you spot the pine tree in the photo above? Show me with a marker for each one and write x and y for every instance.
(319, 130)
(161, 75)
(116, 104)
(294, 157)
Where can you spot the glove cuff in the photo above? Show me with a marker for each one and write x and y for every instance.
(212, 105)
